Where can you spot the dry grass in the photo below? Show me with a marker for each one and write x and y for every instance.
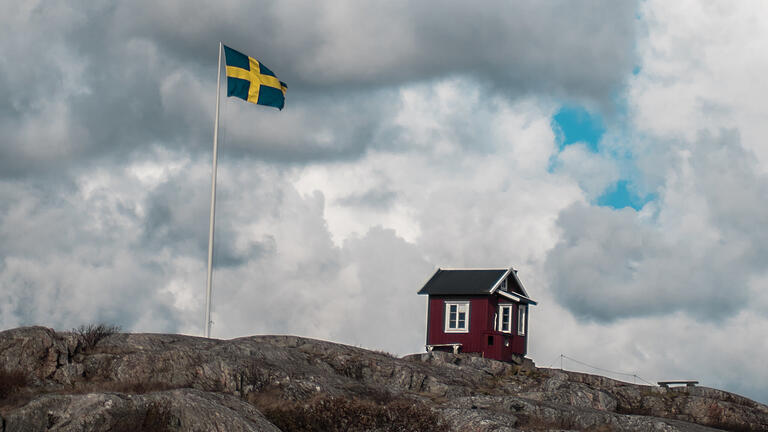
(337, 414)
(158, 417)
(116, 387)
(386, 354)
(15, 390)
(11, 382)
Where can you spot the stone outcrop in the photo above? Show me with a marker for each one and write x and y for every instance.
(174, 382)
(183, 409)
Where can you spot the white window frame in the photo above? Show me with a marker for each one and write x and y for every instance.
(503, 285)
(522, 311)
(461, 307)
(500, 325)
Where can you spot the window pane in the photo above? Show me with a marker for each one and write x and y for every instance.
(456, 317)
(505, 318)
(452, 316)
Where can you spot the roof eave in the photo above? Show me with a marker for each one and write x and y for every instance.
(517, 297)
(424, 285)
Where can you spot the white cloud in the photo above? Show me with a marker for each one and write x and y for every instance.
(703, 69)
(594, 172)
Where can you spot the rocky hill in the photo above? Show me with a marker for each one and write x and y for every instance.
(64, 381)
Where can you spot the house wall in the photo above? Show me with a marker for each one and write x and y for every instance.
(478, 323)
(482, 311)
(519, 344)
(506, 344)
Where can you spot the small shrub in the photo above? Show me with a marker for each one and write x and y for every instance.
(349, 366)
(91, 334)
(11, 382)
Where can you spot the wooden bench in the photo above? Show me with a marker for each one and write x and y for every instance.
(455, 347)
(687, 383)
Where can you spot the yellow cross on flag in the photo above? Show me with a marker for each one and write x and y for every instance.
(250, 80)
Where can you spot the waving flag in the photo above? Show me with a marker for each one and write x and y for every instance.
(251, 81)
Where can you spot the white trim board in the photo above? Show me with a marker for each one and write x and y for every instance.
(515, 296)
(495, 286)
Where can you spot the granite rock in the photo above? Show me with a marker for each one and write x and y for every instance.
(193, 383)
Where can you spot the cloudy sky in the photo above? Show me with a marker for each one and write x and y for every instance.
(612, 152)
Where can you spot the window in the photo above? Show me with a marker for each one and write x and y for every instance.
(505, 318)
(521, 310)
(503, 285)
(457, 317)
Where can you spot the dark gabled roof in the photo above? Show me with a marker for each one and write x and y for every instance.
(463, 281)
(477, 282)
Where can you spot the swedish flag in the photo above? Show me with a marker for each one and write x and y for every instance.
(250, 80)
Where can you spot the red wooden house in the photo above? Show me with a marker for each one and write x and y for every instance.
(478, 311)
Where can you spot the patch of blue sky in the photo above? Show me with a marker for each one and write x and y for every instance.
(575, 124)
(621, 195)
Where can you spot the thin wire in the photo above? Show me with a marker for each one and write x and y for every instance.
(641, 379)
(606, 370)
(597, 368)
(554, 361)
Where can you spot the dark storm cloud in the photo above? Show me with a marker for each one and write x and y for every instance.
(101, 81)
(517, 44)
(319, 129)
(698, 255)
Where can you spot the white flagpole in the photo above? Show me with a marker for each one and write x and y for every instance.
(213, 205)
